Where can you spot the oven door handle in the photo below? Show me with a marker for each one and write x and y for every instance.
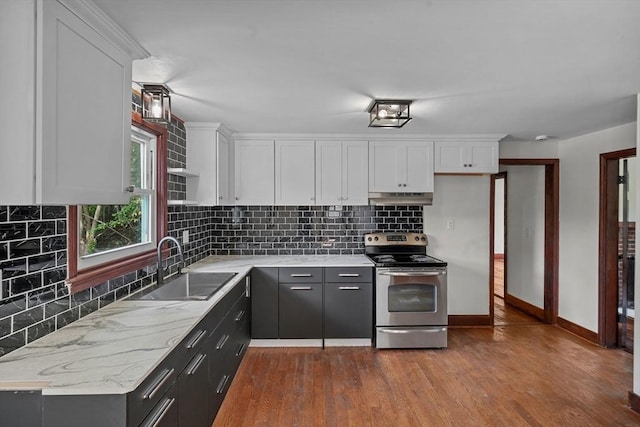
(411, 331)
(411, 273)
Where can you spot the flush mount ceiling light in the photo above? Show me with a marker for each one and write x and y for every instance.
(389, 113)
(156, 102)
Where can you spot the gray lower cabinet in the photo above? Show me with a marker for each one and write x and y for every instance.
(228, 344)
(165, 413)
(300, 310)
(299, 302)
(264, 302)
(348, 310)
(193, 389)
(185, 389)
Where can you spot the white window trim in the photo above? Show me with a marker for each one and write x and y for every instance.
(108, 256)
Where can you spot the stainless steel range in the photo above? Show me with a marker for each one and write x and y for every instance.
(411, 291)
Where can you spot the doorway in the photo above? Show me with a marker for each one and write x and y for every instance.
(547, 310)
(617, 249)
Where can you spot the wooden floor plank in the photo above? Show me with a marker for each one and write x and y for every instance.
(525, 375)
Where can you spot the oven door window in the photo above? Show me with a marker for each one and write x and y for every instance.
(412, 297)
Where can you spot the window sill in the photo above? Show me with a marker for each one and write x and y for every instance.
(93, 276)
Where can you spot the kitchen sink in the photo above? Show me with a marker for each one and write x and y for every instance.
(199, 286)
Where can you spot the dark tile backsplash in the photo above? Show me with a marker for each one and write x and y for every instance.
(35, 301)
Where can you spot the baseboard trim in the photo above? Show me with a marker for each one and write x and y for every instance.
(634, 402)
(347, 342)
(524, 306)
(469, 320)
(578, 330)
(286, 343)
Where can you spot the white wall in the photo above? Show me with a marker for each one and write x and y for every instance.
(579, 215)
(525, 233)
(498, 235)
(529, 150)
(465, 201)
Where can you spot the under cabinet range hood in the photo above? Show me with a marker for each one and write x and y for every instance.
(400, 199)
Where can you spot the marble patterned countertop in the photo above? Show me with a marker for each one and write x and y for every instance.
(112, 350)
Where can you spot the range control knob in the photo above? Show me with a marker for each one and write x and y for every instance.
(375, 238)
(423, 238)
(369, 238)
(417, 238)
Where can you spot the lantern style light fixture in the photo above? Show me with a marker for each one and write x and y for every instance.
(389, 113)
(156, 102)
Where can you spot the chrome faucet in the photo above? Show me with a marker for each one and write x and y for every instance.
(159, 260)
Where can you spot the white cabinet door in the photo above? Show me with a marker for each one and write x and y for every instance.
(342, 173)
(418, 166)
(466, 157)
(401, 166)
(223, 162)
(483, 157)
(295, 173)
(209, 154)
(355, 173)
(254, 172)
(383, 167)
(329, 172)
(76, 140)
(450, 157)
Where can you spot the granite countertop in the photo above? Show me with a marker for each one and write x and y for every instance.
(112, 350)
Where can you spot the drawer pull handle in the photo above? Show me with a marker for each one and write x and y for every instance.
(222, 384)
(300, 275)
(161, 413)
(196, 365)
(300, 288)
(222, 342)
(247, 287)
(348, 275)
(155, 388)
(196, 339)
(239, 316)
(239, 352)
(349, 288)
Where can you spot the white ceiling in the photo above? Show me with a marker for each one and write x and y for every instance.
(518, 67)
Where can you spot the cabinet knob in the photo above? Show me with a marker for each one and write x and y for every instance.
(399, 185)
(313, 198)
(404, 185)
(220, 198)
(237, 198)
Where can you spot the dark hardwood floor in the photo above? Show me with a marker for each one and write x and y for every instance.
(524, 375)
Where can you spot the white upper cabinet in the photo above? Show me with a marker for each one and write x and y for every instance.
(209, 154)
(401, 166)
(341, 173)
(66, 104)
(295, 176)
(254, 172)
(466, 156)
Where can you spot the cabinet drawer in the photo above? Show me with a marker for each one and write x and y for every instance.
(300, 275)
(142, 400)
(348, 274)
(165, 413)
(190, 345)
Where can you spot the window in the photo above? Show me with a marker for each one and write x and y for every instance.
(108, 232)
(108, 240)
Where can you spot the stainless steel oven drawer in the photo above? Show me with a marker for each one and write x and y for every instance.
(411, 337)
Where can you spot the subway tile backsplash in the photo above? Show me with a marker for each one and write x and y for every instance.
(34, 299)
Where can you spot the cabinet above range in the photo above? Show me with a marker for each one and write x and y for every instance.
(326, 170)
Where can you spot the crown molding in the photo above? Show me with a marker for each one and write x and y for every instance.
(212, 126)
(370, 137)
(87, 11)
